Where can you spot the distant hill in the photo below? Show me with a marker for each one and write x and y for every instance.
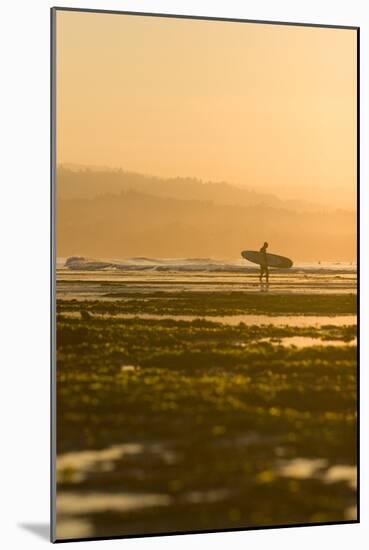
(79, 182)
(126, 222)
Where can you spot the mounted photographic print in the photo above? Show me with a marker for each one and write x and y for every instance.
(204, 240)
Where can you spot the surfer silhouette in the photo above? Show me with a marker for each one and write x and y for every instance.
(264, 264)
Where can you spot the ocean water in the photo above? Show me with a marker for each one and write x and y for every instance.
(193, 265)
(92, 278)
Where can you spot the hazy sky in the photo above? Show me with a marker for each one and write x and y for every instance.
(266, 106)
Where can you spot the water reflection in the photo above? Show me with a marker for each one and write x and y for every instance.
(234, 320)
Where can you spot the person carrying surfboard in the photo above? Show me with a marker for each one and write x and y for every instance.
(264, 264)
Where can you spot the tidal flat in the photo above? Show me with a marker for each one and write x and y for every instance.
(170, 425)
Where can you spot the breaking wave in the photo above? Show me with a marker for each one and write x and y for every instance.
(81, 263)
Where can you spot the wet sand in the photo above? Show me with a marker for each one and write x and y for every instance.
(90, 285)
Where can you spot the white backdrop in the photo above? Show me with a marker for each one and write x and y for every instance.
(24, 219)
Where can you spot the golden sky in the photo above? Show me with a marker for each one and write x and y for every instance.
(265, 106)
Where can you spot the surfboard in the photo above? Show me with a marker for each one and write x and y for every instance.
(273, 259)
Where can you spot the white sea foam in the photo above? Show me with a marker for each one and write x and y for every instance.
(80, 263)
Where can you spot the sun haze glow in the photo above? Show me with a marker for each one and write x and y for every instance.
(265, 106)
